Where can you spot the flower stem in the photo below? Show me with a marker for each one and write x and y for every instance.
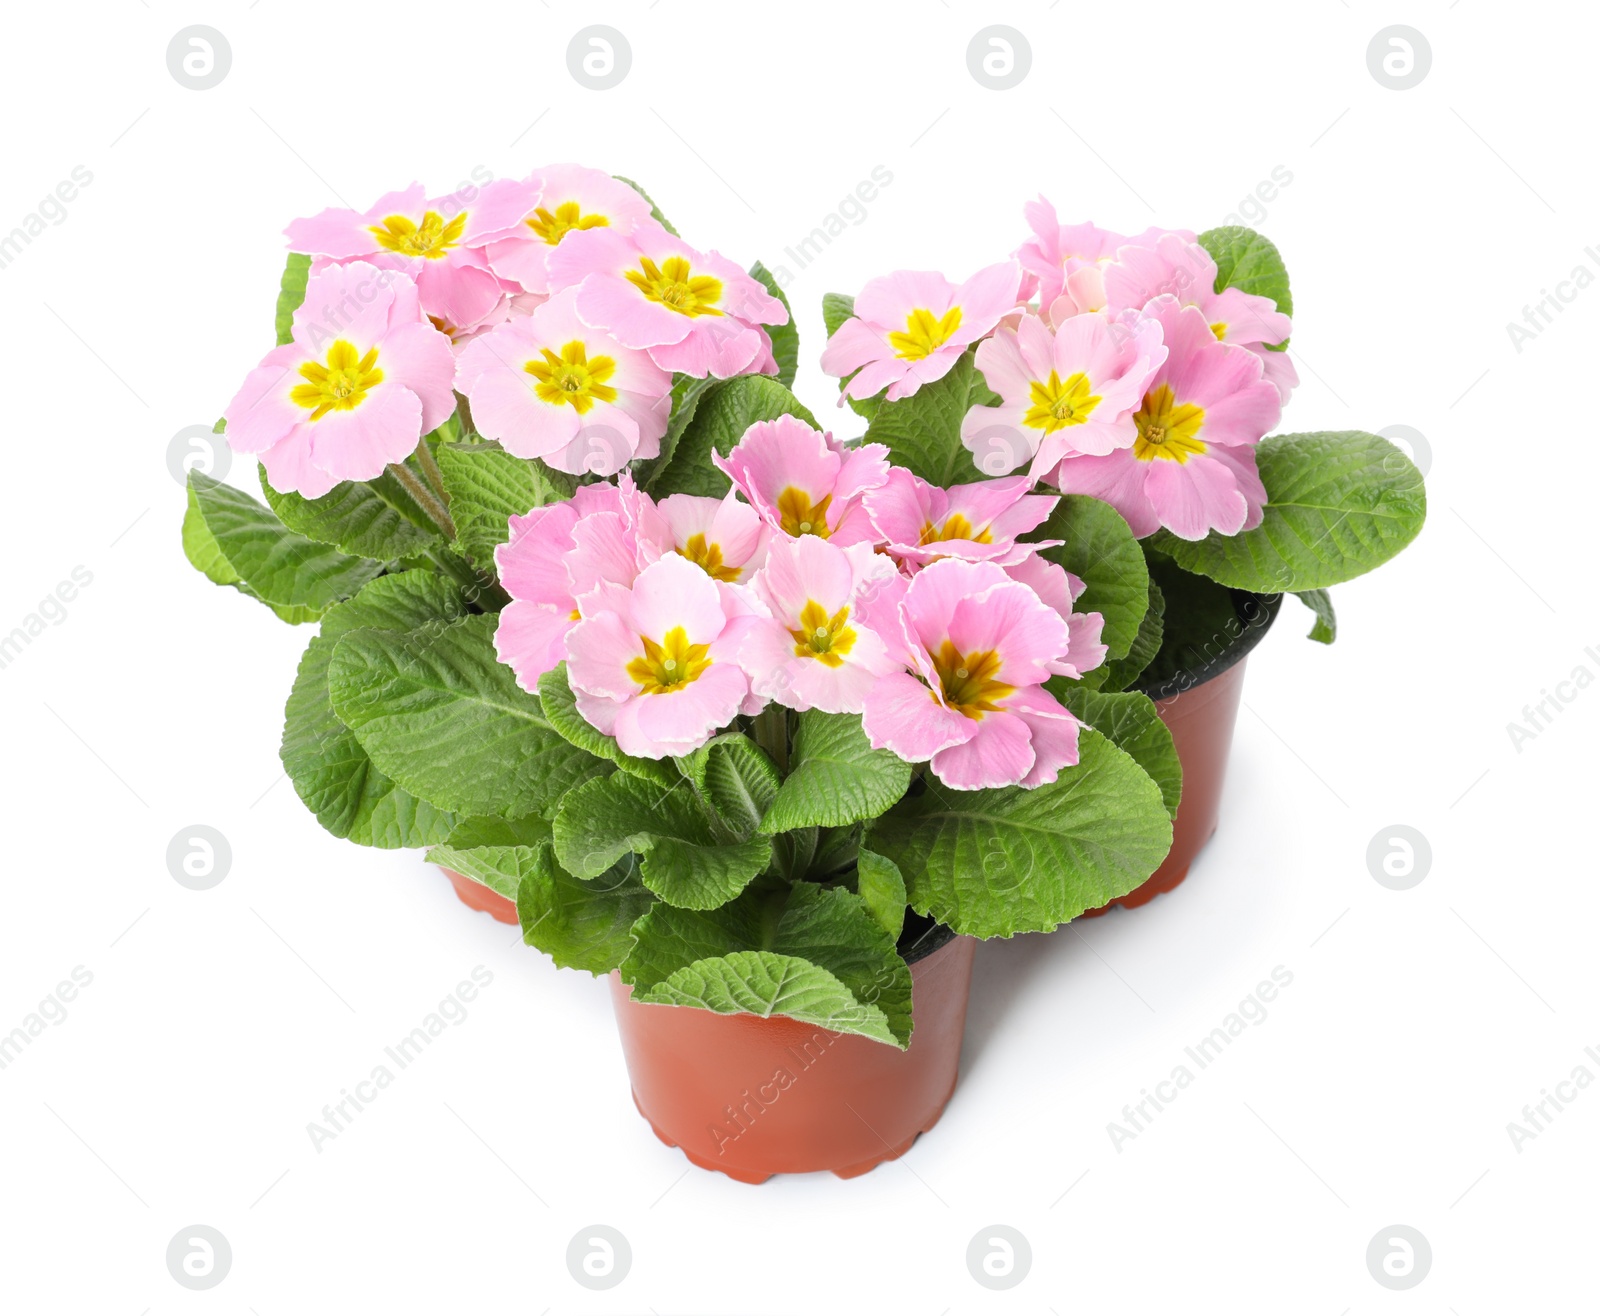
(770, 728)
(425, 498)
(430, 468)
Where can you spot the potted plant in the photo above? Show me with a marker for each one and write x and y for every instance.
(1138, 376)
(754, 721)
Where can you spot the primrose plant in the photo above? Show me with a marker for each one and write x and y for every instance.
(609, 624)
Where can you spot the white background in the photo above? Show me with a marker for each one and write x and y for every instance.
(1378, 1090)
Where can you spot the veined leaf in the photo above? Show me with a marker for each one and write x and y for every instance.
(763, 954)
(561, 711)
(882, 889)
(1124, 673)
(682, 859)
(1338, 505)
(1131, 723)
(366, 518)
(785, 337)
(291, 292)
(835, 776)
(923, 431)
(279, 567)
(440, 714)
(1099, 549)
(1249, 262)
(488, 486)
(992, 863)
(719, 422)
(330, 770)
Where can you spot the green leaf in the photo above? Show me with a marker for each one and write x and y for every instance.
(835, 776)
(1099, 549)
(581, 924)
(740, 783)
(487, 486)
(992, 863)
(1338, 505)
(1131, 723)
(785, 337)
(279, 567)
(498, 852)
(201, 549)
(719, 422)
(1249, 262)
(441, 715)
(811, 953)
(374, 519)
(837, 307)
(923, 431)
(1123, 673)
(1325, 629)
(655, 210)
(561, 711)
(681, 857)
(330, 770)
(1200, 624)
(687, 394)
(882, 889)
(291, 292)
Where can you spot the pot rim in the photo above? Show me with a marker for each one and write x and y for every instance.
(1256, 612)
(921, 937)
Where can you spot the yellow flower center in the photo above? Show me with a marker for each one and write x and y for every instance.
(955, 526)
(553, 225)
(572, 378)
(798, 515)
(923, 335)
(341, 385)
(1058, 403)
(708, 557)
(1167, 428)
(671, 284)
(670, 665)
(968, 681)
(433, 238)
(825, 638)
(1219, 329)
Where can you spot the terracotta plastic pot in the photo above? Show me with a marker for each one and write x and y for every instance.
(755, 1097)
(475, 895)
(1200, 705)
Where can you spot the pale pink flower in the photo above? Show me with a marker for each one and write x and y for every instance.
(438, 243)
(546, 385)
(1192, 465)
(696, 313)
(814, 651)
(722, 536)
(912, 326)
(978, 522)
(1177, 267)
(978, 647)
(570, 199)
(801, 482)
(1058, 588)
(555, 555)
(1065, 263)
(655, 664)
(362, 380)
(1062, 393)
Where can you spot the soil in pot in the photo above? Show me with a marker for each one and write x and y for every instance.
(753, 1097)
(1196, 681)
